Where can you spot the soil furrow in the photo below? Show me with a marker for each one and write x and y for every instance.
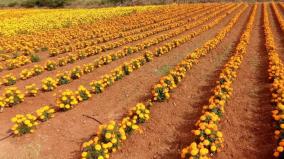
(170, 127)
(247, 128)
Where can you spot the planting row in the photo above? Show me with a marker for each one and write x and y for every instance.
(110, 136)
(208, 137)
(278, 16)
(68, 98)
(49, 84)
(276, 74)
(27, 44)
(91, 45)
(61, 18)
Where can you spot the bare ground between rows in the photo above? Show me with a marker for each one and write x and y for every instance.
(61, 137)
(48, 98)
(16, 71)
(247, 123)
(169, 129)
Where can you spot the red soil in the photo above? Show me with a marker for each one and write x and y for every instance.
(171, 123)
(247, 124)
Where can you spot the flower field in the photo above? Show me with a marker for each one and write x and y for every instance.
(188, 81)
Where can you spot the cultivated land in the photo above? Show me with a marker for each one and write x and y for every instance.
(192, 81)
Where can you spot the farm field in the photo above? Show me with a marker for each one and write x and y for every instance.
(189, 81)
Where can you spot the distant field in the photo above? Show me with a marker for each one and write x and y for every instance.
(90, 3)
(73, 2)
(6, 2)
(25, 21)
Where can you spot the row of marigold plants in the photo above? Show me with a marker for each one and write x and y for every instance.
(81, 44)
(63, 18)
(18, 60)
(92, 49)
(110, 136)
(52, 38)
(276, 77)
(137, 33)
(208, 138)
(68, 98)
(102, 31)
(279, 16)
(50, 84)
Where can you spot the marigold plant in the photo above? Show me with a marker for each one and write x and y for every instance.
(67, 100)
(13, 96)
(127, 68)
(117, 74)
(91, 149)
(62, 61)
(24, 124)
(76, 73)
(140, 113)
(37, 69)
(108, 80)
(160, 92)
(45, 113)
(82, 94)
(49, 84)
(50, 65)
(63, 78)
(2, 103)
(109, 138)
(25, 74)
(87, 68)
(31, 90)
(129, 125)
(148, 56)
(9, 80)
(97, 86)
(168, 81)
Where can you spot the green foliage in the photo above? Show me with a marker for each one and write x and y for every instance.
(29, 3)
(34, 58)
(12, 4)
(116, 1)
(45, 3)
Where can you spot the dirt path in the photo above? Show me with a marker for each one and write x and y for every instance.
(72, 128)
(247, 125)
(170, 127)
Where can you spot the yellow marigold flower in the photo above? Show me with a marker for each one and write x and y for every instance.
(194, 152)
(108, 135)
(280, 149)
(84, 154)
(203, 151)
(98, 147)
(207, 131)
(219, 134)
(213, 148)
